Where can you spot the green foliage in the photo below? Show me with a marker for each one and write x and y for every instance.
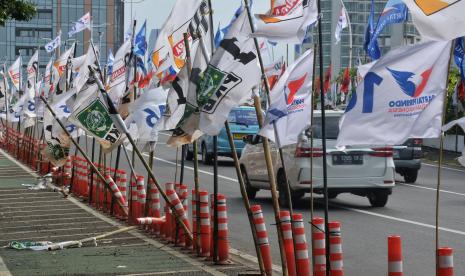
(16, 9)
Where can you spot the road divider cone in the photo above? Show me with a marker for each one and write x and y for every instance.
(445, 261)
(319, 247)
(223, 243)
(395, 267)
(286, 227)
(141, 196)
(262, 236)
(335, 249)
(204, 224)
(183, 196)
(150, 221)
(302, 262)
(155, 206)
(168, 225)
(176, 202)
(114, 188)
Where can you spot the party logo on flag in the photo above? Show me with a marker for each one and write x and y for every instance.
(57, 151)
(430, 7)
(411, 84)
(286, 8)
(294, 87)
(95, 118)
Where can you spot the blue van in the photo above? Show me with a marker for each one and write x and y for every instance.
(242, 122)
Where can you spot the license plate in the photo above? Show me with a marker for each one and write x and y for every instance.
(238, 136)
(347, 159)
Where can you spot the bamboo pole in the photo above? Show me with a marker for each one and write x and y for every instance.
(100, 176)
(118, 153)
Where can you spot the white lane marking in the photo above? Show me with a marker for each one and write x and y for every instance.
(443, 167)
(3, 269)
(431, 189)
(399, 219)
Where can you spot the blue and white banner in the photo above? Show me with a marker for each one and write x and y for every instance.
(459, 56)
(400, 97)
(82, 24)
(52, 45)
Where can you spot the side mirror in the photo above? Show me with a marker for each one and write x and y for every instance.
(248, 139)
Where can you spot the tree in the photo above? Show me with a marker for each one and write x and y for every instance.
(16, 9)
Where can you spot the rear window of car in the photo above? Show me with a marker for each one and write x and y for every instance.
(332, 127)
(243, 116)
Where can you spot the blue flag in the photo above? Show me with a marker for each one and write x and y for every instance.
(459, 56)
(221, 33)
(140, 42)
(395, 11)
(372, 48)
(110, 61)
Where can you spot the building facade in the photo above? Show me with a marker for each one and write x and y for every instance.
(338, 54)
(55, 15)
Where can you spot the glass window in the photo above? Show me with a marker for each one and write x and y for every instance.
(331, 126)
(243, 117)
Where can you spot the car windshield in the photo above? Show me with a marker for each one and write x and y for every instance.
(332, 127)
(246, 117)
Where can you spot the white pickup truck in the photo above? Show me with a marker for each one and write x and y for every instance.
(364, 171)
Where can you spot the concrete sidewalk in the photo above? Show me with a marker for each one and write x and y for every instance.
(46, 216)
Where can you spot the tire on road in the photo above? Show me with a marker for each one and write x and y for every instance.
(378, 198)
(410, 176)
(251, 192)
(282, 197)
(189, 154)
(207, 158)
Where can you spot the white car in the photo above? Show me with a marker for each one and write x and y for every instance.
(364, 171)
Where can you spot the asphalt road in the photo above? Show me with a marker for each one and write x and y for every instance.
(409, 213)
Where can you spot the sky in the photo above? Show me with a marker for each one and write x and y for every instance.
(157, 11)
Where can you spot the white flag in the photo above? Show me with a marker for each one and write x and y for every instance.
(83, 70)
(47, 79)
(287, 20)
(186, 17)
(57, 143)
(146, 112)
(341, 24)
(232, 73)
(461, 123)
(14, 72)
(438, 19)
(117, 84)
(52, 45)
(400, 97)
(291, 104)
(59, 69)
(32, 70)
(82, 24)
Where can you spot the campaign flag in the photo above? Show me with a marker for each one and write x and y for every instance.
(327, 80)
(436, 19)
(83, 70)
(459, 56)
(47, 86)
(116, 86)
(14, 72)
(345, 81)
(146, 113)
(401, 97)
(3, 90)
(32, 70)
(57, 143)
(186, 17)
(371, 43)
(94, 115)
(291, 104)
(342, 23)
(110, 62)
(229, 78)
(82, 24)
(52, 45)
(460, 122)
(395, 11)
(287, 20)
(273, 72)
(187, 129)
(59, 69)
(140, 42)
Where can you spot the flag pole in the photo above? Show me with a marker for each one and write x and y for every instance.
(94, 168)
(312, 113)
(441, 149)
(196, 160)
(118, 154)
(119, 122)
(215, 155)
(323, 138)
(267, 151)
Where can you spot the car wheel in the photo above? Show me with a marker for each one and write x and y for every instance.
(332, 195)
(206, 157)
(251, 192)
(283, 198)
(410, 176)
(189, 154)
(378, 198)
